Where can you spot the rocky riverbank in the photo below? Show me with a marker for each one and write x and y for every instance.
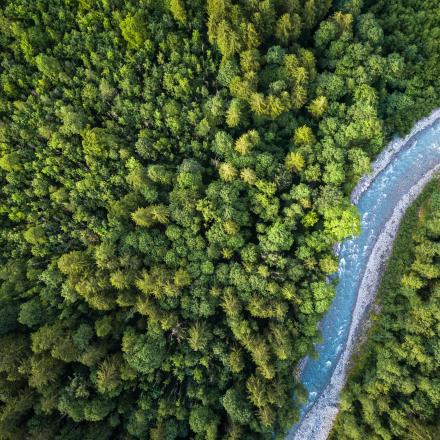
(317, 423)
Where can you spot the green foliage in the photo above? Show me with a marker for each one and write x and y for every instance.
(177, 8)
(410, 29)
(173, 177)
(134, 29)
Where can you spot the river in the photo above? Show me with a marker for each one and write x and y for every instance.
(399, 174)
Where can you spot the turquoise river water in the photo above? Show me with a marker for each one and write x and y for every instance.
(405, 165)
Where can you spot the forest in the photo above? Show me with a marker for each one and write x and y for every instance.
(174, 175)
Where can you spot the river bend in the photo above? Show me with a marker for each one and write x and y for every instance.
(399, 174)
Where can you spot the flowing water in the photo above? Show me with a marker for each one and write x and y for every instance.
(404, 167)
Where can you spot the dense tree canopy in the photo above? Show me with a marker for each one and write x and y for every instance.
(173, 177)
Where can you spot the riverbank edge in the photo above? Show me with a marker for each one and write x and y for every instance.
(402, 243)
(318, 422)
(386, 156)
(381, 162)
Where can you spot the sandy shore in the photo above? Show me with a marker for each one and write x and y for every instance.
(318, 422)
